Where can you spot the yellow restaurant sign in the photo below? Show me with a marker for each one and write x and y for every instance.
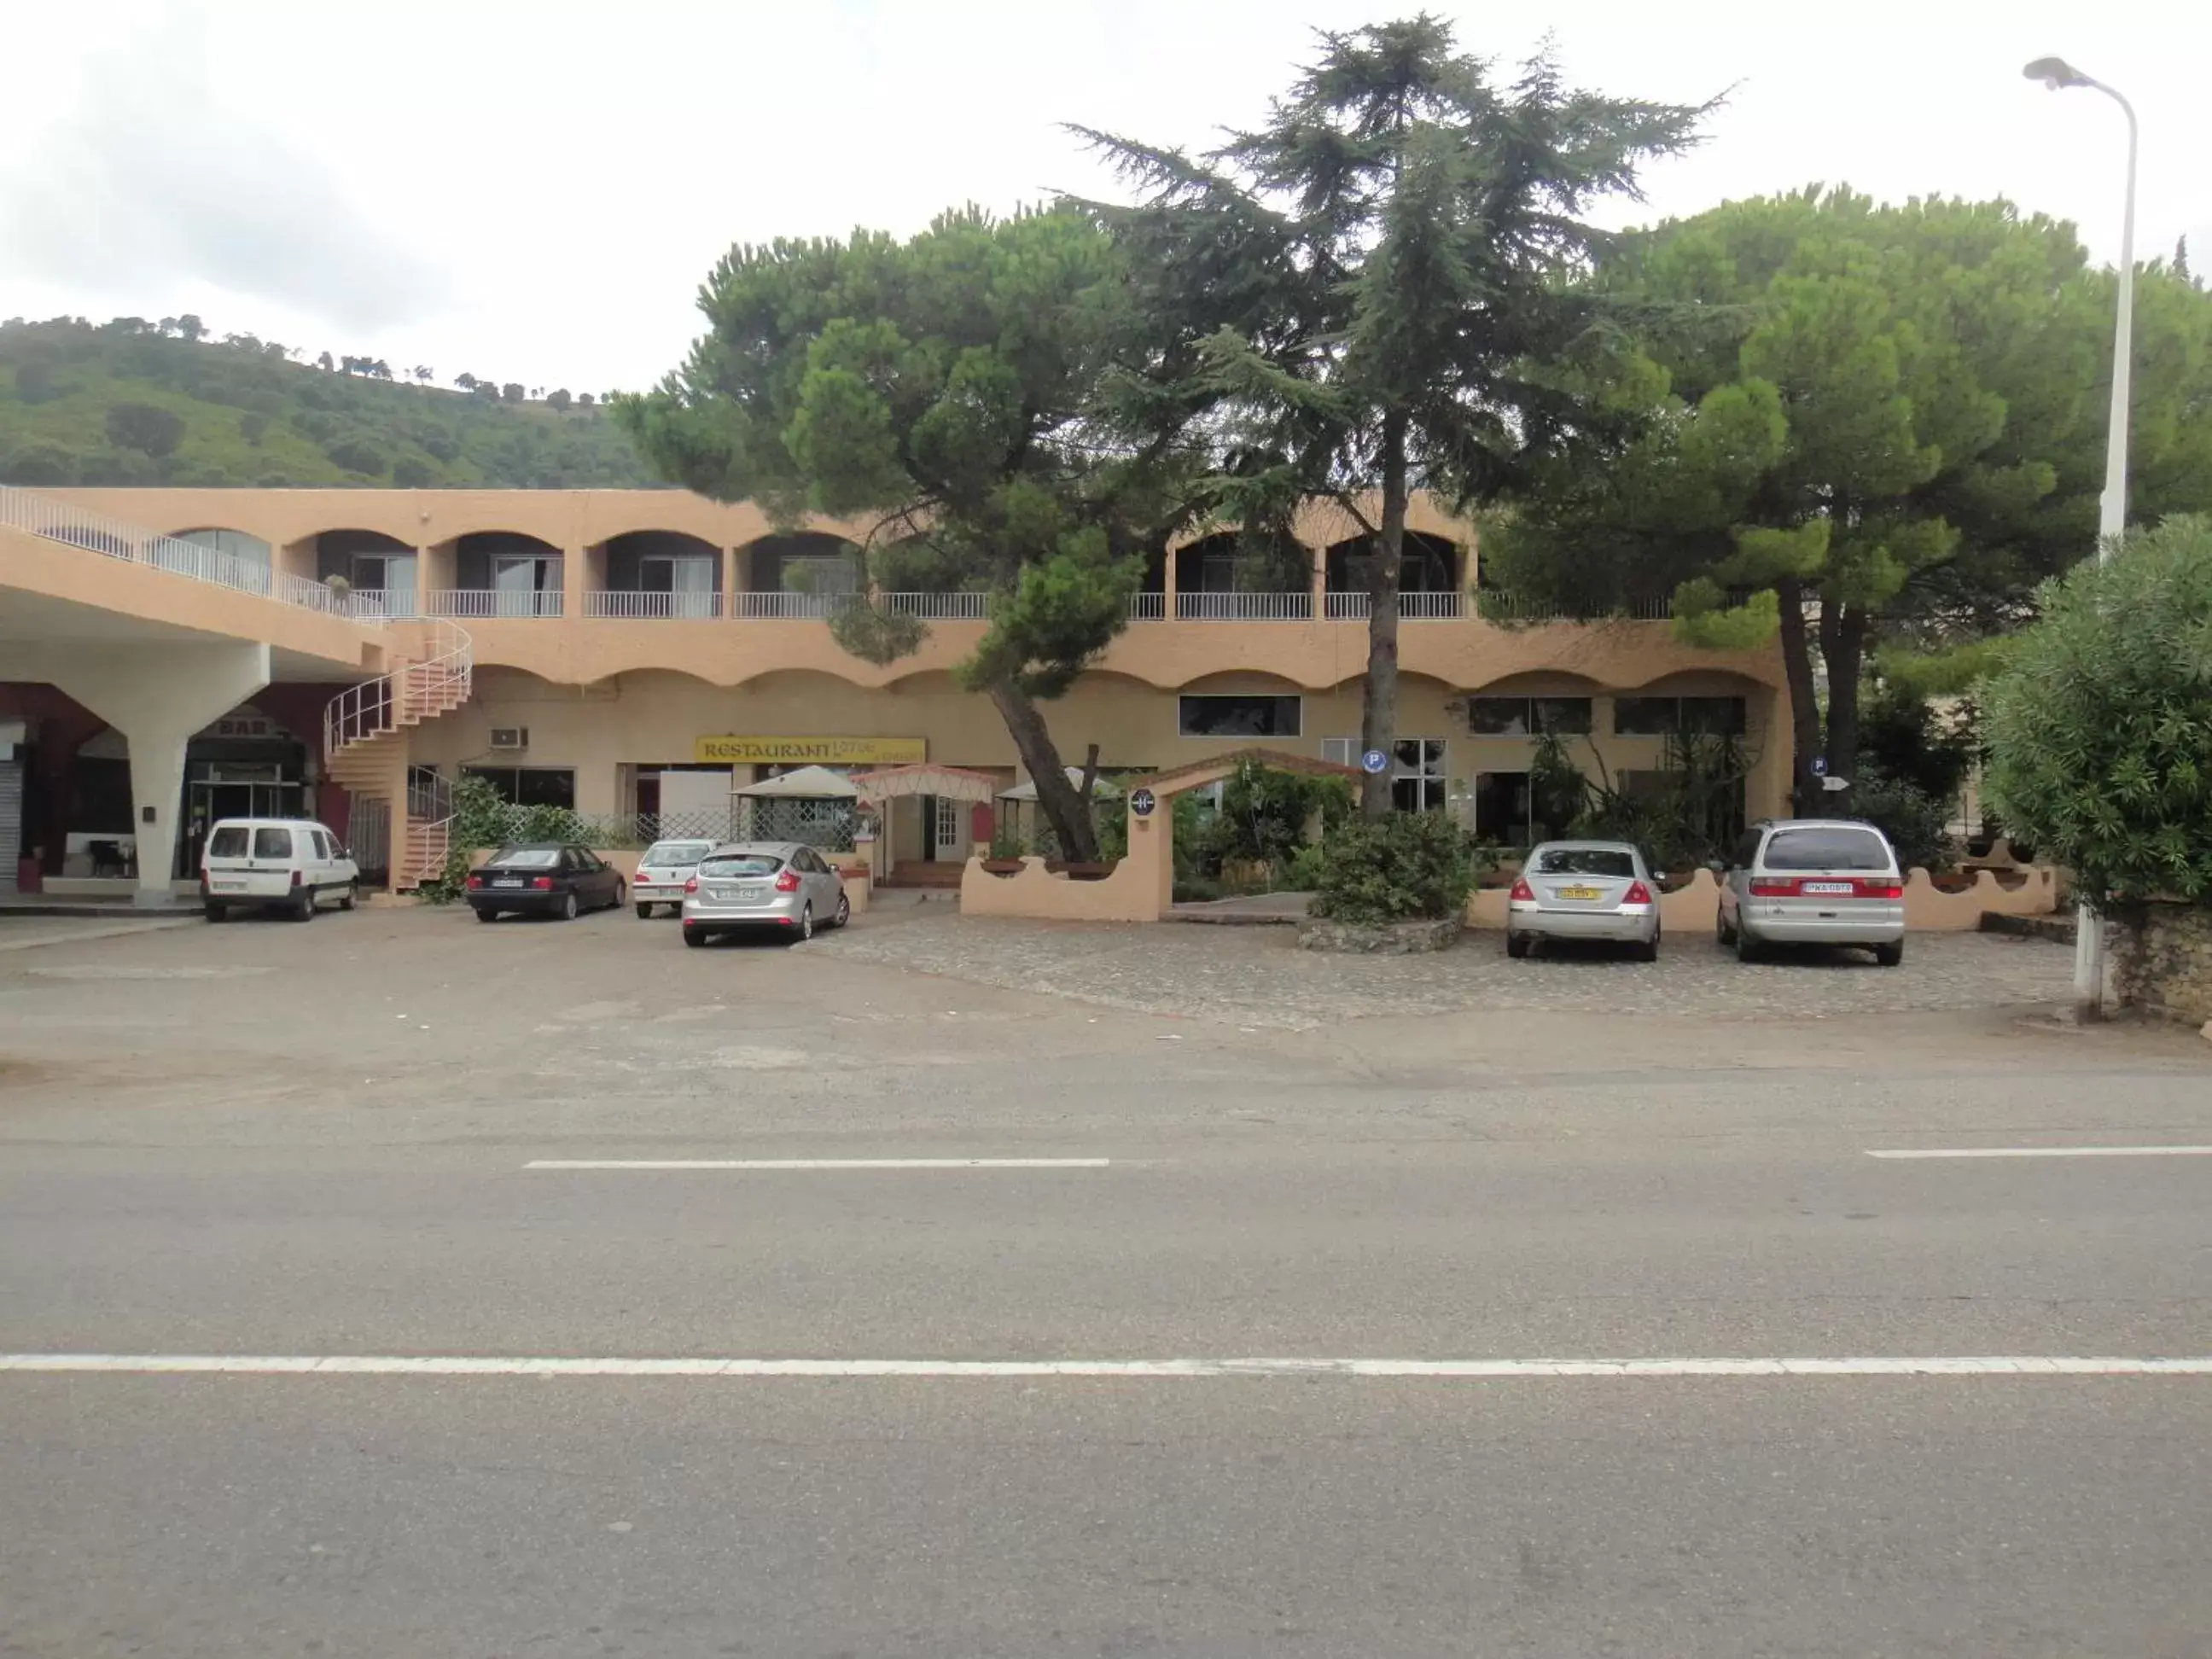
(816, 751)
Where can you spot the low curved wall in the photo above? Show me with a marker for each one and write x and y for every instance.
(1125, 895)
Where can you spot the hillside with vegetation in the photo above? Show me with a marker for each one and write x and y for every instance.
(133, 402)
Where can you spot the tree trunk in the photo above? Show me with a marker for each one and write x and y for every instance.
(1804, 707)
(1069, 816)
(1378, 714)
(1844, 646)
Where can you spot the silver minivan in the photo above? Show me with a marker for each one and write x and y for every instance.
(784, 885)
(1812, 881)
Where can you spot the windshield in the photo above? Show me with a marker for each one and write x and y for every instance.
(530, 858)
(1840, 848)
(742, 864)
(1585, 861)
(663, 853)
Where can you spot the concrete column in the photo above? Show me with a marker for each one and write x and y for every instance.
(733, 577)
(157, 696)
(575, 578)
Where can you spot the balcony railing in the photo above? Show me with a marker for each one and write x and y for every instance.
(491, 602)
(1412, 607)
(1147, 607)
(1515, 608)
(1244, 607)
(96, 532)
(381, 604)
(627, 604)
(780, 605)
(939, 607)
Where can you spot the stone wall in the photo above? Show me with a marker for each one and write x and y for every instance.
(2162, 961)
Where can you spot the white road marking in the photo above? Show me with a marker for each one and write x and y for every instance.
(818, 1164)
(1141, 1369)
(2047, 1152)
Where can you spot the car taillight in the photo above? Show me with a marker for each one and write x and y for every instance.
(788, 882)
(474, 881)
(1637, 893)
(543, 883)
(1774, 888)
(1522, 893)
(1879, 887)
(296, 878)
(692, 885)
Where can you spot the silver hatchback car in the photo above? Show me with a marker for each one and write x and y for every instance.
(661, 874)
(1812, 881)
(784, 885)
(1591, 889)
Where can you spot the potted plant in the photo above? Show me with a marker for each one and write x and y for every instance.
(1005, 858)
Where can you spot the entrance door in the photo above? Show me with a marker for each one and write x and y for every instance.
(947, 839)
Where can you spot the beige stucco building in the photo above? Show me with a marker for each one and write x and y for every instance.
(614, 638)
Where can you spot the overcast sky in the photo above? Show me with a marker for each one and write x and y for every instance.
(533, 190)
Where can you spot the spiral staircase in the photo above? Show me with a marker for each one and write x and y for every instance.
(365, 747)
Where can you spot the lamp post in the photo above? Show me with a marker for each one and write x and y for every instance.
(2058, 74)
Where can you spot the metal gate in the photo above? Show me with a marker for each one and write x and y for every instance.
(11, 821)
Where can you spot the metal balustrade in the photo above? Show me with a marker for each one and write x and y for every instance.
(938, 607)
(478, 604)
(780, 605)
(1148, 607)
(1244, 607)
(631, 604)
(96, 532)
(1412, 607)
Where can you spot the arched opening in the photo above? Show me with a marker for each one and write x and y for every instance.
(802, 573)
(241, 560)
(504, 573)
(382, 572)
(1230, 576)
(1429, 579)
(659, 573)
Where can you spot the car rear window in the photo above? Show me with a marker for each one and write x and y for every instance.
(227, 843)
(746, 864)
(663, 854)
(530, 858)
(272, 843)
(1826, 850)
(1585, 861)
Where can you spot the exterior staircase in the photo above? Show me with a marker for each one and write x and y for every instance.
(365, 748)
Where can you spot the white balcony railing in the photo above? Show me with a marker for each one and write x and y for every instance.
(1244, 607)
(780, 605)
(939, 607)
(479, 603)
(1412, 607)
(1147, 607)
(628, 605)
(96, 532)
(381, 604)
(1510, 607)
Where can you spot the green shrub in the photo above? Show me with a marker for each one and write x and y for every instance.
(1917, 822)
(1304, 873)
(1410, 866)
(2100, 726)
(1264, 814)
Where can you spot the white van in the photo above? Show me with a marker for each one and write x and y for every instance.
(276, 864)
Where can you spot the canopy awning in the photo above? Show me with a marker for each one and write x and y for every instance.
(807, 783)
(924, 778)
(1101, 788)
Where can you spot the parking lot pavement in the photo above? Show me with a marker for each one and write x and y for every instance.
(32, 932)
(1258, 977)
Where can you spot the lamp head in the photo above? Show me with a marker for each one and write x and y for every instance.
(2055, 73)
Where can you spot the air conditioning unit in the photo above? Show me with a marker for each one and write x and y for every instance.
(510, 736)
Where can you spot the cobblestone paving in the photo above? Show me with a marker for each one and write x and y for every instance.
(1256, 976)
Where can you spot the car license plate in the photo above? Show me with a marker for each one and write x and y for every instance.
(1840, 889)
(230, 887)
(506, 883)
(1576, 893)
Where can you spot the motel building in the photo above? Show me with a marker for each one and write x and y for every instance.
(169, 657)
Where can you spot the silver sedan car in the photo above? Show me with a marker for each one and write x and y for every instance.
(1585, 889)
(661, 874)
(782, 885)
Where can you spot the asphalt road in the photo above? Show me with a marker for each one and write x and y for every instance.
(297, 1142)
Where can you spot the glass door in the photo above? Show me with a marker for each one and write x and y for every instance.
(517, 583)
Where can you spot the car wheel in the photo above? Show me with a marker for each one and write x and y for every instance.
(694, 938)
(1516, 945)
(1649, 950)
(1889, 956)
(1747, 948)
(805, 922)
(844, 910)
(622, 892)
(569, 905)
(304, 909)
(352, 896)
(486, 915)
(215, 912)
(644, 912)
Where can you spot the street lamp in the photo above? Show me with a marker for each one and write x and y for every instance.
(2058, 74)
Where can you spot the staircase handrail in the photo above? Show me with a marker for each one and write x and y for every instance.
(375, 707)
